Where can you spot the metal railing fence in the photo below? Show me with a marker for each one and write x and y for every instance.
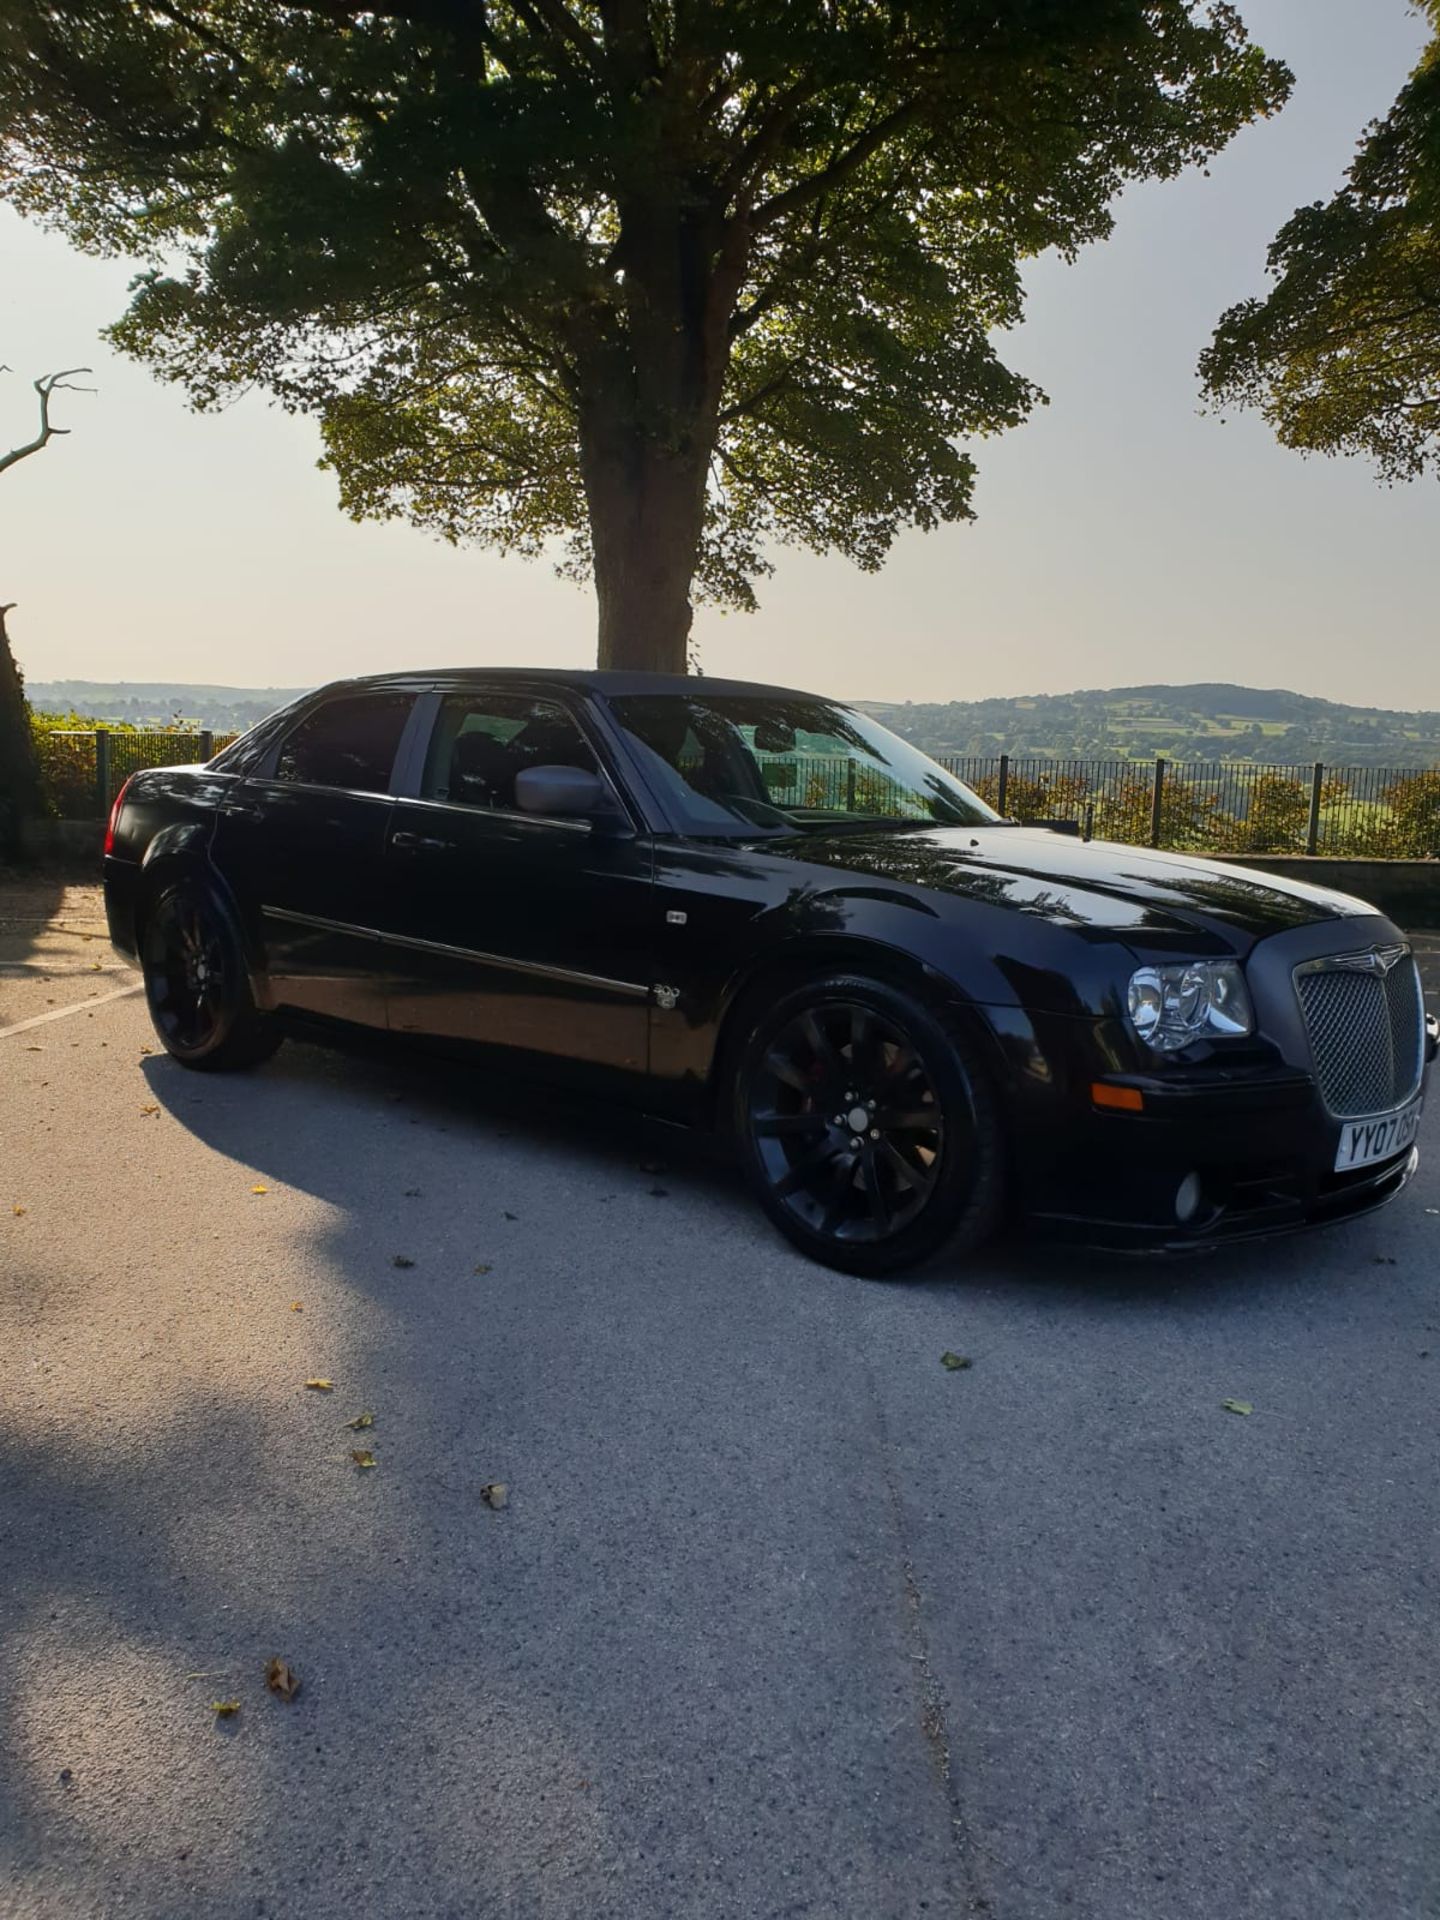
(83, 768)
(1238, 807)
(1222, 806)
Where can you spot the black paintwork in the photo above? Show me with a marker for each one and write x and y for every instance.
(623, 954)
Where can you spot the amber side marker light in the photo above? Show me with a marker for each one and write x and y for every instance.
(1118, 1099)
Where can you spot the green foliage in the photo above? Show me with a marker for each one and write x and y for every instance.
(1343, 355)
(663, 283)
(1414, 810)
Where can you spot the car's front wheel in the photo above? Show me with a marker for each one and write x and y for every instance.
(868, 1130)
(197, 983)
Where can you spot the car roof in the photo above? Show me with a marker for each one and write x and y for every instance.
(604, 681)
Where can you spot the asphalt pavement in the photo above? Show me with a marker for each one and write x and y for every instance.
(780, 1617)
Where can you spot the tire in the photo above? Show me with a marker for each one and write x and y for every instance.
(925, 1173)
(197, 984)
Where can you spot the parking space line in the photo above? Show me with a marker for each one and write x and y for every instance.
(81, 1006)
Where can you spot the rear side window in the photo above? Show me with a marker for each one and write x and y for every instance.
(347, 743)
(246, 753)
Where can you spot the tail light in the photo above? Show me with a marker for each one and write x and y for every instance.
(109, 847)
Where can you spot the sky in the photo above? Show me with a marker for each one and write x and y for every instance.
(1123, 536)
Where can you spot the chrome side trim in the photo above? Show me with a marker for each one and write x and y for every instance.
(322, 925)
(566, 974)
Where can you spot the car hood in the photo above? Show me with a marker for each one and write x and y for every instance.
(1094, 884)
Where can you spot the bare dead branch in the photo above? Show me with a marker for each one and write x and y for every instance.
(48, 383)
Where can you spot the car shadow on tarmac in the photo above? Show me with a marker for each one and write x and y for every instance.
(559, 1136)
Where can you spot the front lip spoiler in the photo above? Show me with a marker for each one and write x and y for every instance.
(1267, 1223)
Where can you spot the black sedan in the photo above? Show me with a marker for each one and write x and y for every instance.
(758, 911)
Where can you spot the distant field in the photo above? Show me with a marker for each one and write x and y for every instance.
(1209, 722)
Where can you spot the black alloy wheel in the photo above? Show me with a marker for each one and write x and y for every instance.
(868, 1131)
(197, 985)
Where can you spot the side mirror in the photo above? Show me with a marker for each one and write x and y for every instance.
(569, 792)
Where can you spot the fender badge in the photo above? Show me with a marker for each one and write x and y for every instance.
(666, 997)
(674, 918)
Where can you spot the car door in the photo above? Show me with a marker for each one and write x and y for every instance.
(523, 933)
(301, 843)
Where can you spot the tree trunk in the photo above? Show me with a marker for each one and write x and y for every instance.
(649, 392)
(646, 507)
(19, 766)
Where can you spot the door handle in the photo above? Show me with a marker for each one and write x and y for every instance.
(239, 812)
(419, 843)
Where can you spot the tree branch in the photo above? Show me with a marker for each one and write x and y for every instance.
(47, 384)
(815, 185)
(558, 17)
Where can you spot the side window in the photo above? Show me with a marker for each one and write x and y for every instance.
(347, 743)
(245, 754)
(482, 740)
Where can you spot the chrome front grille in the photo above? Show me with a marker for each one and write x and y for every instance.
(1365, 1019)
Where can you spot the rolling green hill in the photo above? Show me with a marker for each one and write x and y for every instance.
(1204, 722)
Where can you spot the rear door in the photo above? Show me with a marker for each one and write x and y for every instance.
(523, 933)
(301, 843)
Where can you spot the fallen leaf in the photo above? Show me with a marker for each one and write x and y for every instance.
(511, 1216)
(224, 1708)
(154, 1109)
(95, 967)
(363, 1457)
(412, 1193)
(296, 1307)
(495, 1494)
(402, 1260)
(321, 1386)
(147, 1049)
(484, 1267)
(282, 1679)
(34, 1049)
(17, 1211)
(955, 1362)
(259, 1189)
(360, 1422)
(1237, 1406)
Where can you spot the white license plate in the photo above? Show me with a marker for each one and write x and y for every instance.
(1363, 1142)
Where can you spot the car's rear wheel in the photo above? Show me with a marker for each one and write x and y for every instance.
(867, 1128)
(197, 984)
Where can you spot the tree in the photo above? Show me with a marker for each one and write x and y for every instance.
(19, 768)
(664, 280)
(1343, 355)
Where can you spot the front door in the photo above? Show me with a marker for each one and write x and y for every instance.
(302, 849)
(518, 932)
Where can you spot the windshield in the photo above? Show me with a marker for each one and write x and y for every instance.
(732, 765)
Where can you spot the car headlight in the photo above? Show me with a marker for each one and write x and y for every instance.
(1172, 1007)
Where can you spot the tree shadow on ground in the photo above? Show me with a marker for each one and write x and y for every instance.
(669, 1676)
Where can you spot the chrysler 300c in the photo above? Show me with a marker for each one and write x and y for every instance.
(758, 911)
